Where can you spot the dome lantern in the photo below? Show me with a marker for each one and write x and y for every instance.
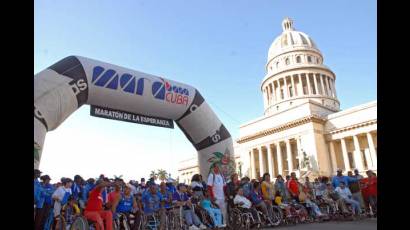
(287, 24)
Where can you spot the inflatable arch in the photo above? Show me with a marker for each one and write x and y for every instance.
(74, 81)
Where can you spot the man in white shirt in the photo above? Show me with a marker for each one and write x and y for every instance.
(346, 195)
(216, 184)
(61, 195)
(245, 204)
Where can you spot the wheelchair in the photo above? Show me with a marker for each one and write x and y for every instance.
(121, 222)
(243, 219)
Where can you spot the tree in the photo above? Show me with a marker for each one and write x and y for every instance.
(162, 174)
(153, 174)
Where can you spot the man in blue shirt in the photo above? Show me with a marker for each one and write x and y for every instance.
(128, 206)
(77, 190)
(151, 200)
(44, 202)
(37, 186)
(340, 178)
(89, 185)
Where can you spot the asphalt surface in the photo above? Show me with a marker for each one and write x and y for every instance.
(366, 224)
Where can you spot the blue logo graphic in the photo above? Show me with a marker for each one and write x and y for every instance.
(110, 79)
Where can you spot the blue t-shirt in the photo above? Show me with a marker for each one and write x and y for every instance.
(247, 189)
(76, 189)
(37, 190)
(151, 202)
(181, 197)
(125, 204)
(171, 189)
(48, 192)
(87, 188)
(256, 198)
(347, 180)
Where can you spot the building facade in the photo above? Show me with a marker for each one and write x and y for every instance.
(302, 129)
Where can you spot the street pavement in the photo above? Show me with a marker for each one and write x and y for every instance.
(366, 224)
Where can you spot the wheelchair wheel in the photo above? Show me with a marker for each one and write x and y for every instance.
(79, 223)
(276, 216)
(235, 219)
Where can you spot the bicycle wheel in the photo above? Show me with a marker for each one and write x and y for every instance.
(79, 223)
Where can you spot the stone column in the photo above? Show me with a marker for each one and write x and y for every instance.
(278, 90)
(279, 157)
(345, 157)
(270, 161)
(333, 156)
(372, 150)
(261, 163)
(289, 156)
(287, 94)
(357, 154)
(368, 159)
(315, 83)
(293, 85)
(308, 84)
(329, 86)
(334, 87)
(272, 93)
(300, 89)
(300, 154)
(321, 83)
(253, 165)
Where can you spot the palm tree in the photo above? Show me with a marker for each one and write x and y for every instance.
(162, 174)
(153, 174)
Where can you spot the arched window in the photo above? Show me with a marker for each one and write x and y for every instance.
(298, 59)
(309, 58)
(277, 64)
(287, 61)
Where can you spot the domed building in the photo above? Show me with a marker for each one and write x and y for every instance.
(302, 129)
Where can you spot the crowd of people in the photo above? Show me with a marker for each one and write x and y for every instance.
(99, 200)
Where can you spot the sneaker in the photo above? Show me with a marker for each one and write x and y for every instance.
(222, 226)
(202, 226)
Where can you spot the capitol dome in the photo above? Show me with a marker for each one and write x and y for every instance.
(295, 73)
(290, 39)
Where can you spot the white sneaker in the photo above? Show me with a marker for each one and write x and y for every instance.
(202, 226)
(222, 226)
(193, 227)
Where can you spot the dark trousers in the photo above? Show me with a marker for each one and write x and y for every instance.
(41, 216)
(136, 218)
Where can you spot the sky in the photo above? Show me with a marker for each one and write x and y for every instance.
(219, 47)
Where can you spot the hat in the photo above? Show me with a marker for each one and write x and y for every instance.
(45, 177)
(170, 180)
(36, 171)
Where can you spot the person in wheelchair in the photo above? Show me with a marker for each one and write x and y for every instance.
(346, 195)
(331, 197)
(127, 205)
(244, 204)
(94, 210)
(212, 210)
(259, 203)
(282, 204)
(305, 196)
(181, 199)
(152, 202)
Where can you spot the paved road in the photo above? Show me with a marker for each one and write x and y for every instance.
(367, 224)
